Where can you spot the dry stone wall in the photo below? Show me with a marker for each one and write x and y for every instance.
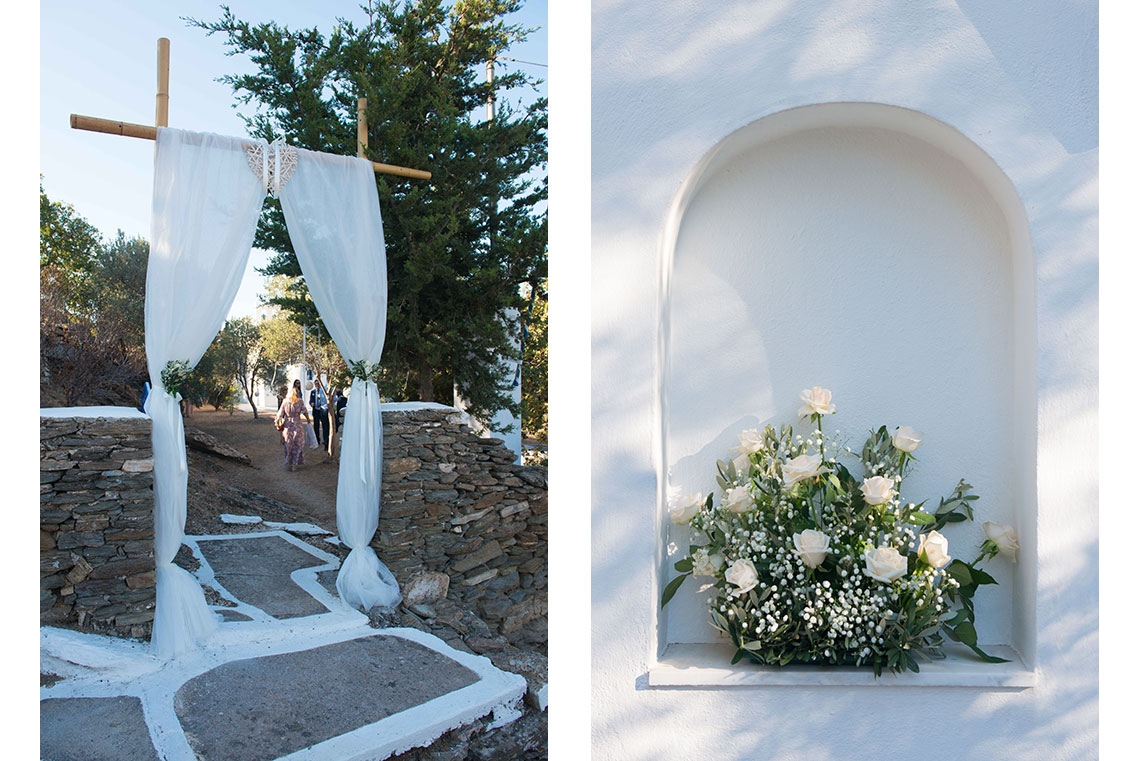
(97, 522)
(453, 502)
(456, 503)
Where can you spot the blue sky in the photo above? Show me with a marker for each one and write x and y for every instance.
(98, 59)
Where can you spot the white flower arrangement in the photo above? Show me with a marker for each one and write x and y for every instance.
(811, 564)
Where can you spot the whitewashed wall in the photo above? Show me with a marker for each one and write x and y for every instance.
(670, 83)
(870, 262)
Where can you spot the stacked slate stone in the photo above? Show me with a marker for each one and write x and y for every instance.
(97, 525)
(457, 503)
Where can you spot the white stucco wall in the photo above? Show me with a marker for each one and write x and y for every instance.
(671, 82)
(868, 261)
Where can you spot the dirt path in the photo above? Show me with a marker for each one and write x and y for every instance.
(308, 494)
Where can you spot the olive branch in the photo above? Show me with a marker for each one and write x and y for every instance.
(175, 375)
(365, 371)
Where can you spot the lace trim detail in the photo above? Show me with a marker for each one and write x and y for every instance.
(274, 164)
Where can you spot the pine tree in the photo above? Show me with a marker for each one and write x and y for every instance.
(459, 246)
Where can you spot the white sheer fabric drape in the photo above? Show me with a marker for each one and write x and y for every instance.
(333, 215)
(206, 205)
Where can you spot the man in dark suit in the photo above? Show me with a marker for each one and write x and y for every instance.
(319, 403)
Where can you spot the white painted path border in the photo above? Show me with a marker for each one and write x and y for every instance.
(98, 666)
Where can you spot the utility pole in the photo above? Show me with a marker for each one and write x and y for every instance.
(490, 89)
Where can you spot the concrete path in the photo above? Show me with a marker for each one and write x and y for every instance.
(292, 674)
(279, 704)
(258, 571)
(94, 729)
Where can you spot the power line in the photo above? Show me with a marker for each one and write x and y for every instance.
(529, 63)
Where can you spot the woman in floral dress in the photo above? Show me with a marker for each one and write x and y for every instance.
(288, 421)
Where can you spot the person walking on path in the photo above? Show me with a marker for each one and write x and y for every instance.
(288, 421)
(319, 402)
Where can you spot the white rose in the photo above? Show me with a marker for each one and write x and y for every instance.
(906, 439)
(750, 441)
(683, 509)
(878, 489)
(1004, 537)
(811, 546)
(817, 401)
(739, 499)
(885, 564)
(804, 466)
(934, 549)
(705, 564)
(743, 574)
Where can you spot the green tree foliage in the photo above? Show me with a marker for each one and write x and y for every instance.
(119, 284)
(240, 354)
(460, 245)
(91, 311)
(281, 338)
(212, 379)
(69, 249)
(534, 369)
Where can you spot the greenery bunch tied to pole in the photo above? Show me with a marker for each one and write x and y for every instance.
(175, 375)
(460, 246)
(810, 563)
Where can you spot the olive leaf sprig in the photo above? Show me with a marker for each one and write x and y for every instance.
(175, 375)
(365, 371)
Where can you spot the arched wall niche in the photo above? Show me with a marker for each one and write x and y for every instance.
(876, 251)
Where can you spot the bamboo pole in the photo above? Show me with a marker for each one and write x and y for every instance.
(146, 132)
(162, 95)
(361, 126)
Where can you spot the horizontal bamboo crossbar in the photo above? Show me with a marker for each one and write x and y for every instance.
(147, 132)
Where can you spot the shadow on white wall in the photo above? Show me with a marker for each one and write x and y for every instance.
(877, 252)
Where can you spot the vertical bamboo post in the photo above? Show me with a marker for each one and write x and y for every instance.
(361, 126)
(162, 95)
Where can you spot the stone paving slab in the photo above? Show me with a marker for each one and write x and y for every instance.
(327, 579)
(259, 709)
(256, 571)
(94, 729)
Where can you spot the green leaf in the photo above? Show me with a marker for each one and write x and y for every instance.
(966, 633)
(986, 656)
(684, 565)
(960, 572)
(981, 577)
(672, 588)
(921, 519)
(958, 617)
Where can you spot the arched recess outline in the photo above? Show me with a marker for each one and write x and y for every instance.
(986, 172)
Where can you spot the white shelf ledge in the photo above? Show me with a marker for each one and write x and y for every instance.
(708, 665)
